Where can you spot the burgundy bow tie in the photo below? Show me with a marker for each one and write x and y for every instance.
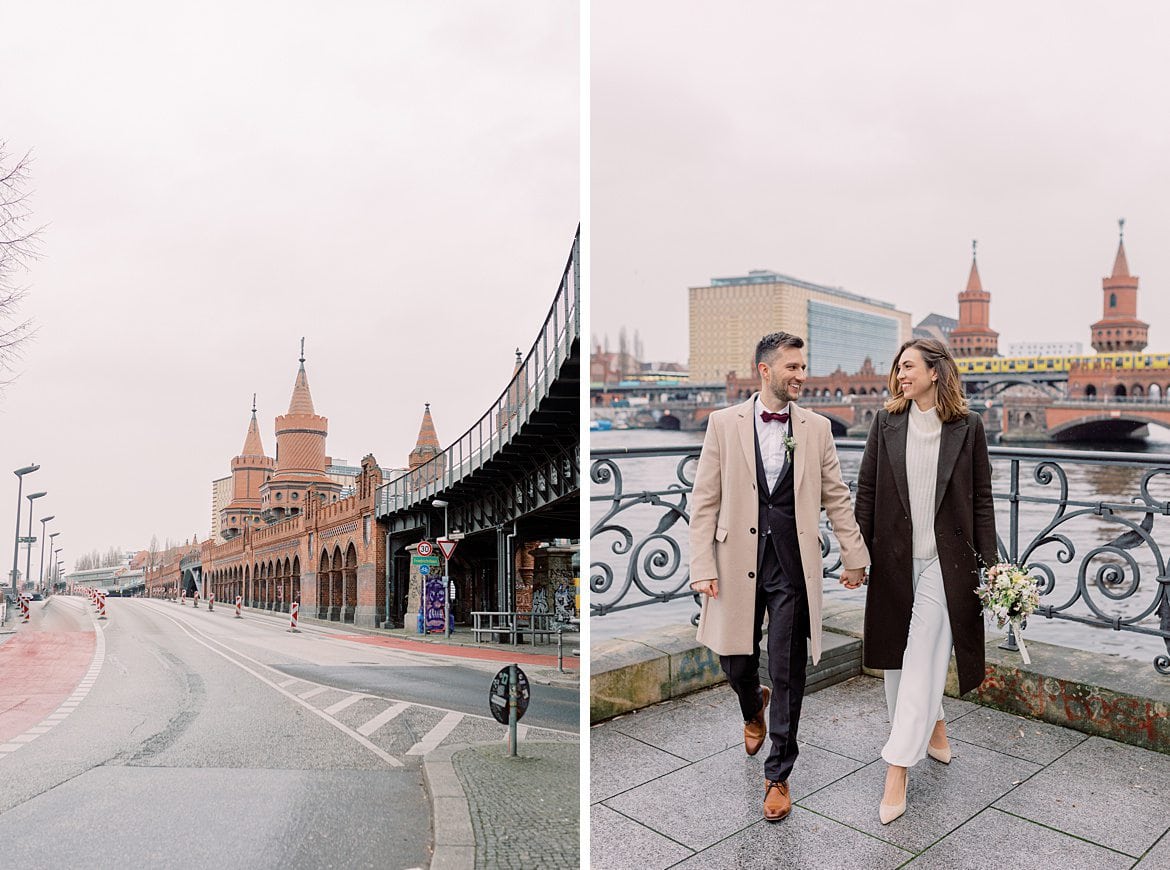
(768, 417)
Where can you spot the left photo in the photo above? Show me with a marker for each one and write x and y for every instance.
(290, 314)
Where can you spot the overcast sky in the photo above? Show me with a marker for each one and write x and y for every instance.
(864, 145)
(395, 181)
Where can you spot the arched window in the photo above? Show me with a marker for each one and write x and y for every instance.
(1112, 300)
(1090, 392)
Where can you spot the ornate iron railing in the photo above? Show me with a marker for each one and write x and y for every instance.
(1046, 521)
(530, 384)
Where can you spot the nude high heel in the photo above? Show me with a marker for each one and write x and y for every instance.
(943, 755)
(888, 812)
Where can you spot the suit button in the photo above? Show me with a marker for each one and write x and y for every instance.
(753, 531)
(751, 575)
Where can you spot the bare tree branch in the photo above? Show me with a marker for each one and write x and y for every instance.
(19, 247)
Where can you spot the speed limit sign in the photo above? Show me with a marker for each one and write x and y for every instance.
(425, 548)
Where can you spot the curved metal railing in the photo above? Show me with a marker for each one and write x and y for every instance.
(503, 420)
(1097, 554)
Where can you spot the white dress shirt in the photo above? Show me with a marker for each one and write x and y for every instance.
(772, 449)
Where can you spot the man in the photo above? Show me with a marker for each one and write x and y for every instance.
(766, 469)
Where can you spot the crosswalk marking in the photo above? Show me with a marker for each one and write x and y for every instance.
(381, 719)
(435, 736)
(313, 692)
(334, 709)
(287, 682)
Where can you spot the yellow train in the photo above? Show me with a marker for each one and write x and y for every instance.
(1031, 364)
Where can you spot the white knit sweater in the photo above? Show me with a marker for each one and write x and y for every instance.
(922, 440)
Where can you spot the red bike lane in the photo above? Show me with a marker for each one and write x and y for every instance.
(38, 671)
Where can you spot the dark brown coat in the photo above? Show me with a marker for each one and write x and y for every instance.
(964, 527)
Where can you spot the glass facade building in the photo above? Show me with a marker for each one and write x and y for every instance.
(840, 337)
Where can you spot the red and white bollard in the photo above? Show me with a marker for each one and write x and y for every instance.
(210, 601)
(101, 606)
(183, 597)
(195, 600)
(24, 608)
(296, 610)
(239, 604)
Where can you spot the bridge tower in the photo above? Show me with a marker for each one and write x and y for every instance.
(1119, 328)
(249, 471)
(974, 335)
(300, 456)
(427, 448)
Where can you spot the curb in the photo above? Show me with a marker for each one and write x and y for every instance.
(450, 812)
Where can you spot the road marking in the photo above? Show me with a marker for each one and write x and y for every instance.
(382, 718)
(435, 735)
(334, 709)
(382, 754)
(288, 683)
(312, 693)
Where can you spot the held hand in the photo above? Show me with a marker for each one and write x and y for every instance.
(707, 587)
(852, 578)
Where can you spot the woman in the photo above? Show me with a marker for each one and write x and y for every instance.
(925, 509)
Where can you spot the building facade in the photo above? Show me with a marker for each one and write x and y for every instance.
(842, 329)
(974, 335)
(1119, 328)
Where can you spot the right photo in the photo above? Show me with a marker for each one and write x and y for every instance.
(879, 452)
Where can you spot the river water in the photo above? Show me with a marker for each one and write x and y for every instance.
(1111, 483)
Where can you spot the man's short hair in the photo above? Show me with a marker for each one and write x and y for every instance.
(773, 341)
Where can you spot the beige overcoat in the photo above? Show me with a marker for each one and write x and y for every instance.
(725, 511)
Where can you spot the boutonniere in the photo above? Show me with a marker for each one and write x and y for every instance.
(789, 446)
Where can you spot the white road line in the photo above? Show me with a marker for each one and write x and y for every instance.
(382, 754)
(288, 683)
(435, 735)
(334, 709)
(331, 635)
(382, 718)
(312, 693)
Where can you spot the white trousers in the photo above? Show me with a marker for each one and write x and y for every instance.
(914, 694)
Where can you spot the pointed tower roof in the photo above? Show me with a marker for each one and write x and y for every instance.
(1120, 264)
(428, 439)
(974, 285)
(252, 445)
(302, 400)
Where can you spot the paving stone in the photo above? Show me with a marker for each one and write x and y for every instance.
(941, 797)
(849, 718)
(525, 811)
(618, 763)
(691, 731)
(619, 843)
(1103, 791)
(1158, 858)
(803, 841)
(994, 839)
(1015, 735)
(735, 784)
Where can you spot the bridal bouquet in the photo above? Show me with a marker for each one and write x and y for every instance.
(1010, 595)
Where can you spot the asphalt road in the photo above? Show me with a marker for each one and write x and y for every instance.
(182, 738)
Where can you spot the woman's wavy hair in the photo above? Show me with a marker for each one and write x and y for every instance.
(951, 402)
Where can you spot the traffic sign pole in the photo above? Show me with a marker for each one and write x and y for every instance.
(513, 692)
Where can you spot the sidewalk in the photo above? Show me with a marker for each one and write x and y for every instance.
(672, 787)
(493, 811)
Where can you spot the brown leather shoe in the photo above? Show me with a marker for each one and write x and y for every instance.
(755, 729)
(777, 803)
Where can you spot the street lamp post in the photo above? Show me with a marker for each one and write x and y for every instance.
(53, 560)
(28, 557)
(446, 577)
(20, 473)
(41, 574)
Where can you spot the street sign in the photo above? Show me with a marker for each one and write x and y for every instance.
(498, 696)
(424, 570)
(446, 547)
(425, 548)
(25, 540)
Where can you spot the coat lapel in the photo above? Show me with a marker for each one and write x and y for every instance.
(745, 425)
(895, 441)
(950, 445)
(799, 423)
